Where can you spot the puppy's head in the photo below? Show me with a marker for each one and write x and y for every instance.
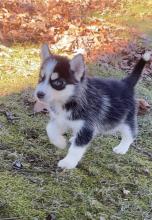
(58, 76)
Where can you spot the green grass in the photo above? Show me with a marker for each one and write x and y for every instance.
(19, 67)
(131, 13)
(92, 190)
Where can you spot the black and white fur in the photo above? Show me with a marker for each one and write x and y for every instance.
(87, 106)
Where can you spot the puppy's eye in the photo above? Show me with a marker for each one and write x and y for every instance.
(58, 84)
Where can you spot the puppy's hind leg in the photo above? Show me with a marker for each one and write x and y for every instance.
(127, 139)
(54, 133)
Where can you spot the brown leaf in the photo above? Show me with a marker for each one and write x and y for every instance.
(40, 107)
(143, 106)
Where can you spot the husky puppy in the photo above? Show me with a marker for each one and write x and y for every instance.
(87, 106)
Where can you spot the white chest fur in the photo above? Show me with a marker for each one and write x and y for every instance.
(61, 117)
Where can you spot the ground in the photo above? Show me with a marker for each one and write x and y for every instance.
(103, 186)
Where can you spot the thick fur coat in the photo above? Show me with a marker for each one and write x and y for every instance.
(87, 106)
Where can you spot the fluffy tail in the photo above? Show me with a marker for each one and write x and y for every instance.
(133, 78)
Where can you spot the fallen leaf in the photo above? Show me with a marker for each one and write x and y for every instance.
(17, 165)
(40, 107)
(143, 106)
(125, 192)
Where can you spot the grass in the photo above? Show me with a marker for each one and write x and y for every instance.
(135, 14)
(96, 188)
(19, 65)
(104, 184)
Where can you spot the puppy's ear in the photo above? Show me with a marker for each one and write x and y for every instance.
(78, 66)
(45, 52)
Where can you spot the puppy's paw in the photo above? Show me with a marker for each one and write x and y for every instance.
(120, 150)
(67, 163)
(60, 142)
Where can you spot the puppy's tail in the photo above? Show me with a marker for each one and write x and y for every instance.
(133, 78)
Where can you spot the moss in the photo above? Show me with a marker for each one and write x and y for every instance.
(17, 193)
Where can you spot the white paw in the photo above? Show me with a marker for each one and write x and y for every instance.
(120, 150)
(60, 142)
(67, 163)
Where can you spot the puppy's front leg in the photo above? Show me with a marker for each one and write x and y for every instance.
(55, 132)
(77, 149)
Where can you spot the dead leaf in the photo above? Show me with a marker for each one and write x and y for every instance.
(40, 107)
(143, 106)
(10, 116)
(125, 192)
(1, 36)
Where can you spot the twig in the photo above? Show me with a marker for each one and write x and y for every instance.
(144, 152)
(12, 218)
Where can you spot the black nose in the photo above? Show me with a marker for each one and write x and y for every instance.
(40, 95)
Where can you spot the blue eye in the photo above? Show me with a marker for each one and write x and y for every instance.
(58, 84)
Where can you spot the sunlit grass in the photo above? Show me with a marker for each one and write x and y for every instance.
(133, 14)
(19, 67)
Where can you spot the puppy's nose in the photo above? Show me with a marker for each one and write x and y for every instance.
(40, 95)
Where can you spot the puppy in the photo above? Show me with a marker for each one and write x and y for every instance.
(87, 106)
